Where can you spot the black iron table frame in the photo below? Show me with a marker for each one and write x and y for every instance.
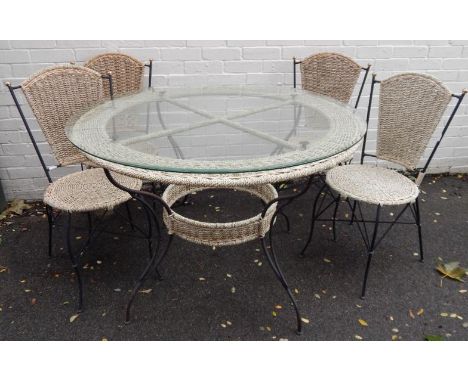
(160, 251)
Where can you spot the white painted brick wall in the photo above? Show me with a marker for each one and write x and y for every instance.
(179, 63)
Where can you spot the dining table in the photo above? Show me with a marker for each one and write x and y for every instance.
(245, 138)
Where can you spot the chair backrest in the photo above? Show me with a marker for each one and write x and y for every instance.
(330, 74)
(127, 72)
(411, 106)
(55, 95)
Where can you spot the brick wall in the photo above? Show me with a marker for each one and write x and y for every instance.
(179, 63)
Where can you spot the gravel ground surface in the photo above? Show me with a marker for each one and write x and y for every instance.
(231, 293)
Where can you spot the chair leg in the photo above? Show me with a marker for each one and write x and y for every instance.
(75, 263)
(271, 257)
(335, 211)
(153, 264)
(129, 215)
(286, 219)
(90, 222)
(312, 223)
(418, 223)
(353, 213)
(370, 251)
(50, 219)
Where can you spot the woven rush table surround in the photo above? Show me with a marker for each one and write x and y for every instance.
(229, 180)
(219, 234)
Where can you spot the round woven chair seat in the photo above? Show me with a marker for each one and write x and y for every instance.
(372, 184)
(219, 234)
(88, 190)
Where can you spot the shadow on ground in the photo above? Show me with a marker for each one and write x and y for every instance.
(231, 293)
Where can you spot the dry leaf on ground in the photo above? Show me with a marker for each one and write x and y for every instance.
(363, 322)
(452, 270)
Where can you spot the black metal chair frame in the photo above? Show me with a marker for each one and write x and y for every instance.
(369, 235)
(94, 229)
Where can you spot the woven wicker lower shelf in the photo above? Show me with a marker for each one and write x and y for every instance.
(219, 234)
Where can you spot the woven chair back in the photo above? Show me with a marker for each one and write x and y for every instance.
(330, 74)
(55, 95)
(127, 72)
(411, 106)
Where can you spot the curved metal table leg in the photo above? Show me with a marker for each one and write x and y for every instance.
(274, 266)
(153, 263)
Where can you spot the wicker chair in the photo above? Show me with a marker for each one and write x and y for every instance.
(55, 95)
(331, 74)
(411, 107)
(127, 72)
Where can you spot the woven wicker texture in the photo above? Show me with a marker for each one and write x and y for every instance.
(372, 184)
(127, 72)
(410, 108)
(219, 234)
(54, 95)
(88, 190)
(330, 74)
(229, 180)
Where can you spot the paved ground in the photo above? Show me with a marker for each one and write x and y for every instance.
(231, 293)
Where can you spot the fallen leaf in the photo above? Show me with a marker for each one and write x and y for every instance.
(461, 290)
(74, 317)
(3, 269)
(33, 301)
(444, 314)
(327, 260)
(223, 325)
(17, 207)
(363, 322)
(274, 314)
(278, 307)
(411, 314)
(145, 291)
(420, 312)
(305, 320)
(229, 323)
(432, 337)
(394, 337)
(233, 290)
(452, 270)
(201, 279)
(357, 337)
(395, 330)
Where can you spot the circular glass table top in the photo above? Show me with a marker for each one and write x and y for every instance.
(217, 129)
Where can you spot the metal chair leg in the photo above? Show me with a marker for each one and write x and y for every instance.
(353, 213)
(279, 275)
(75, 263)
(90, 222)
(370, 250)
(286, 219)
(418, 223)
(335, 211)
(312, 223)
(50, 219)
(129, 215)
(154, 262)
